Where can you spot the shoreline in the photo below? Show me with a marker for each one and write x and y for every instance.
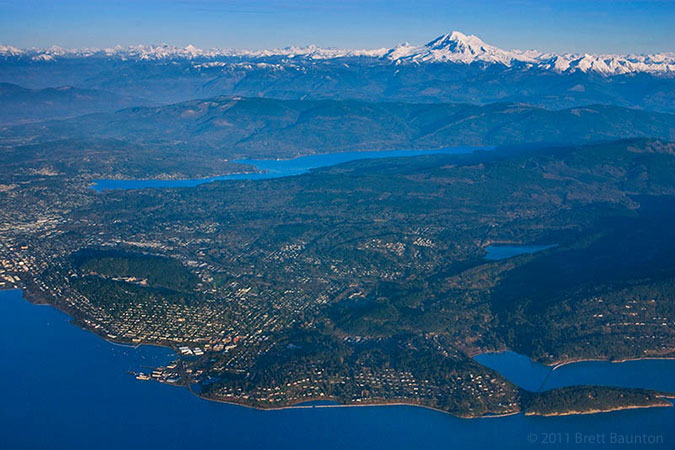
(300, 405)
(557, 364)
(450, 150)
(39, 300)
(600, 411)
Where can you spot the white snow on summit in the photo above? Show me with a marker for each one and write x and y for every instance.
(460, 48)
(662, 63)
(8, 50)
(457, 48)
(452, 48)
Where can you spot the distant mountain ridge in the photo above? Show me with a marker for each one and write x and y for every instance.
(230, 128)
(20, 105)
(452, 48)
(453, 68)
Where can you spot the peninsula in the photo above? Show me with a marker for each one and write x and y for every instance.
(367, 282)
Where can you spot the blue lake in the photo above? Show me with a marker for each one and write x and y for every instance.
(65, 388)
(272, 168)
(495, 252)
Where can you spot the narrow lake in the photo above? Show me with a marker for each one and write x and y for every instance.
(65, 388)
(272, 168)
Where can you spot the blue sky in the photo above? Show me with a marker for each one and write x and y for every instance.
(640, 26)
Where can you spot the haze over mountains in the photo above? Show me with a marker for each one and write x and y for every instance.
(164, 111)
(197, 137)
(269, 128)
(19, 104)
(453, 68)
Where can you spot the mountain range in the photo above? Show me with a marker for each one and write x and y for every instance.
(203, 137)
(453, 68)
(454, 47)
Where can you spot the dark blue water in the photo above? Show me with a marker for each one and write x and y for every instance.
(280, 168)
(496, 252)
(65, 388)
(656, 374)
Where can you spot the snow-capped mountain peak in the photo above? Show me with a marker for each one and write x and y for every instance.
(460, 48)
(457, 47)
(451, 48)
(458, 42)
(8, 50)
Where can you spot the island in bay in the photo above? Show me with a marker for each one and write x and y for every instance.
(363, 280)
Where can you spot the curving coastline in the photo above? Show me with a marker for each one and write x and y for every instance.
(42, 300)
(661, 404)
(557, 365)
(300, 405)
